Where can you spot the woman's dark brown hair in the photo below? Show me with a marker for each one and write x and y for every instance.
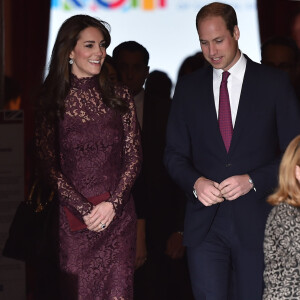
(57, 83)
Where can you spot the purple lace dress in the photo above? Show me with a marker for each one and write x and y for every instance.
(99, 151)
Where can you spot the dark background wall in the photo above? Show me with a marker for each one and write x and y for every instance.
(275, 16)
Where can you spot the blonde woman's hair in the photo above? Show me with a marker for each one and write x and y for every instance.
(288, 190)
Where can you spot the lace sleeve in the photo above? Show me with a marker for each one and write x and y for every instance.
(132, 156)
(49, 167)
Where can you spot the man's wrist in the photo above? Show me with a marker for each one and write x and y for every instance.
(194, 189)
(251, 182)
(195, 193)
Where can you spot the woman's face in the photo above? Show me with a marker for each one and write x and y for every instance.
(89, 53)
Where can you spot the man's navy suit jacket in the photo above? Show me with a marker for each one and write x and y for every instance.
(268, 118)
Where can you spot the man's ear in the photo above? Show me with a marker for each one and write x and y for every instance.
(236, 32)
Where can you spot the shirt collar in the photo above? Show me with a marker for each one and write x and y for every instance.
(236, 70)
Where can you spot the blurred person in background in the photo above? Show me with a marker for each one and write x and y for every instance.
(282, 53)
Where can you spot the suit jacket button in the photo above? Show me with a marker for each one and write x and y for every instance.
(228, 165)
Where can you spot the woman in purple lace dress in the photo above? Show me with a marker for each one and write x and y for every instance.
(88, 144)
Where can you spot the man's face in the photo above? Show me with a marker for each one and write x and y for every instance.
(133, 70)
(219, 47)
(282, 57)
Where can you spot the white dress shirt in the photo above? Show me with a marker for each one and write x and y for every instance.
(234, 85)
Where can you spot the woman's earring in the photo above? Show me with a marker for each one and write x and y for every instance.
(71, 61)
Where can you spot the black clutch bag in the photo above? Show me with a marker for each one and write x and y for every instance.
(33, 231)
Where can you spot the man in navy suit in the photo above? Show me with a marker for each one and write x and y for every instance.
(227, 178)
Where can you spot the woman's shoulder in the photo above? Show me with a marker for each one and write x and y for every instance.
(284, 208)
(284, 214)
(283, 231)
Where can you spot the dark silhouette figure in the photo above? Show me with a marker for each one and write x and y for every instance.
(132, 61)
(282, 53)
(165, 274)
(191, 64)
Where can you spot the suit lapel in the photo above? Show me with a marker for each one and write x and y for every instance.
(243, 117)
(211, 117)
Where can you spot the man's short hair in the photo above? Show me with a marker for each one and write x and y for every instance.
(217, 9)
(131, 46)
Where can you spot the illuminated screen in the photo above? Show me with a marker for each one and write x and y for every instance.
(165, 27)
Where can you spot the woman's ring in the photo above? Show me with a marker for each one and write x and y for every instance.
(102, 225)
